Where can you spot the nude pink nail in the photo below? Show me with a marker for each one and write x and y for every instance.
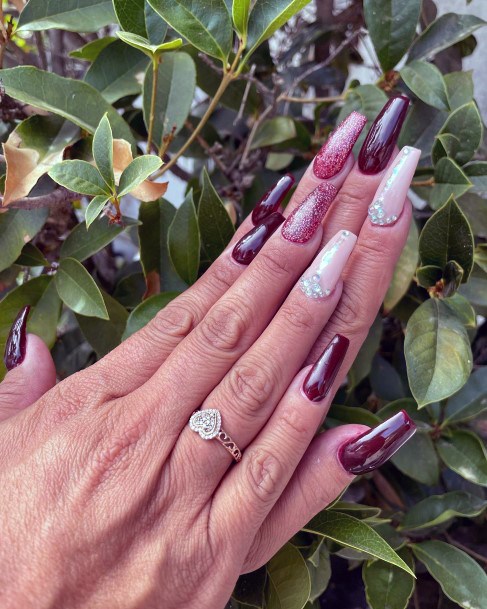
(392, 192)
(322, 276)
(305, 219)
(332, 157)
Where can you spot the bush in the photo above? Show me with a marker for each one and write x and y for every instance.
(236, 106)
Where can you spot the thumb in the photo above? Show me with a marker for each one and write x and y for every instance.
(31, 371)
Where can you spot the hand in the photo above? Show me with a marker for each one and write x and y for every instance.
(111, 500)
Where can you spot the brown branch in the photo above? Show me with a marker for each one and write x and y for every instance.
(60, 196)
(428, 182)
(312, 100)
(208, 149)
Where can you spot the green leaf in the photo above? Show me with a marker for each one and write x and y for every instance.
(443, 33)
(473, 206)
(103, 151)
(105, 335)
(274, 131)
(71, 15)
(353, 533)
(146, 311)
(351, 414)
(418, 459)
(131, 15)
(459, 88)
(461, 134)
(363, 362)
(117, 71)
(319, 568)
(81, 245)
(438, 354)
(362, 512)
(289, 583)
(78, 290)
(366, 99)
(240, 14)
(437, 509)
(477, 173)
(144, 45)
(386, 586)
(207, 26)
(91, 50)
(450, 181)
(463, 309)
(392, 26)
(137, 172)
(426, 82)
(447, 236)
(44, 318)
(175, 91)
(405, 269)
(460, 577)
(249, 590)
(94, 209)
(216, 228)
(17, 226)
(266, 17)
(80, 176)
(184, 241)
(464, 453)
(73, 99)
(156, 26)
(31, 256)
(429, 275)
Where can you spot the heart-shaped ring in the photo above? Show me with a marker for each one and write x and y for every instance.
(207, 423)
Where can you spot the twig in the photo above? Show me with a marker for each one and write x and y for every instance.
(428, 182)
(416, 598)
(155, 79)
(41, 49)
(245, 95)
(60, 196)
(459, 545)
(252, 133)
(207, 148)
(181, 173)
(312, 100)
(205, 59)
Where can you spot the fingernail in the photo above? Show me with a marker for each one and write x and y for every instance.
(379, 144)
(373, 448)
(322, 375)
(272, 200)
(324, 272)
(331, 158)
(301, 225)
(250, 244)
(16, 342)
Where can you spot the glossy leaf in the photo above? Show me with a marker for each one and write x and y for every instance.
(91, 50)
(426, 82)
(274, 131)
(71, 15)
(438, 354)
(418, 459)
(437, 509)
(459, 88)
(464, 453)
(353, 533)
(392, 26)
(216, 228)
(131, 15)
(387, 586)
(289, 583)
(137, 172)
(146, 311)
(17, 226)
(44, 317)
(366, 99)
(463, 310)
(363, 362)
(31, 256)
(470, 401)
(73, 99)
(405, 269)
(460, 577)
(144, 45)
(473, 206)
(351, 414)
(250, 588)
(184, 241)
(319, 568)
(78, 290)
(80, 176)
(358, 510)
(450, 180)
(460, 136)
(94, 209)
(240, 14)
(443, 33)
(477, 174)
(103, 151)
(105, 335)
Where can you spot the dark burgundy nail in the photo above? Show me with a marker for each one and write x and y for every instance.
(379, 144)
(16, 341)
(272, 199)
(305, 219)
(250, 244)
(373, 448)
(332, 157)
(322, 375)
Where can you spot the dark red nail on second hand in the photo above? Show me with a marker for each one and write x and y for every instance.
(301, 225)
(272, 199)
(250, 244)
(322, 375)
(376, 446)
(16, 342)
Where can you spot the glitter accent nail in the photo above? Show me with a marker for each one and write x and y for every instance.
(332, 157)
(305, 219)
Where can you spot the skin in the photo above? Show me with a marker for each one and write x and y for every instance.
(110, 500)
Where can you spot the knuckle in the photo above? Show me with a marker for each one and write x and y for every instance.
(69, 398)
(371, 251)
(299, 318)
(351, 196)
(221, 279)
(176, 321)
(292, 425)
(277, 265)
(348, 317)
(263, 474)
(249, 386)
(224, 327)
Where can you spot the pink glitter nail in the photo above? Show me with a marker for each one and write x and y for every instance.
(305, 219)
(334, 152)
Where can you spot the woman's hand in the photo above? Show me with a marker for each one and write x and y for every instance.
(111, 500)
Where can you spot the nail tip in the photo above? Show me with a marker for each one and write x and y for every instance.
(15, 346)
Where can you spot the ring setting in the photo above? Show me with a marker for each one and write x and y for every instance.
(207, 423)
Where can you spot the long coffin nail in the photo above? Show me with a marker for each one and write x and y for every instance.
(16, 342)
(332, 157)
(379, 144)
(273, 198)
(305, 219)
(373, 448)
(322, 375)
(321, 277)
(250, 244)
(392, 192)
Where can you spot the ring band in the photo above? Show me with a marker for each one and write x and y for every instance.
(207, 423)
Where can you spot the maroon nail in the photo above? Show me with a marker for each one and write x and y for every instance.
(332, 157)
(272, 199)
(322, 375)
(16, 341)
(373, 448)
(379, 144)
(250, 244)
(305, 219)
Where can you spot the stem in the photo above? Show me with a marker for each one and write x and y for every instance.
(155, 78)
(312, 100)
(428, 182)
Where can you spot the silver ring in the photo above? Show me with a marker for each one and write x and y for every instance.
(208, 424)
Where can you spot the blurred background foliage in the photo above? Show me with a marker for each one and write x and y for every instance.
(230, 95)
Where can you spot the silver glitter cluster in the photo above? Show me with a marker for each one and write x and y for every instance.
(377, 212)
(312, 286)
(206, 422)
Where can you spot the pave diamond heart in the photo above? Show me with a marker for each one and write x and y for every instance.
(206, 422)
